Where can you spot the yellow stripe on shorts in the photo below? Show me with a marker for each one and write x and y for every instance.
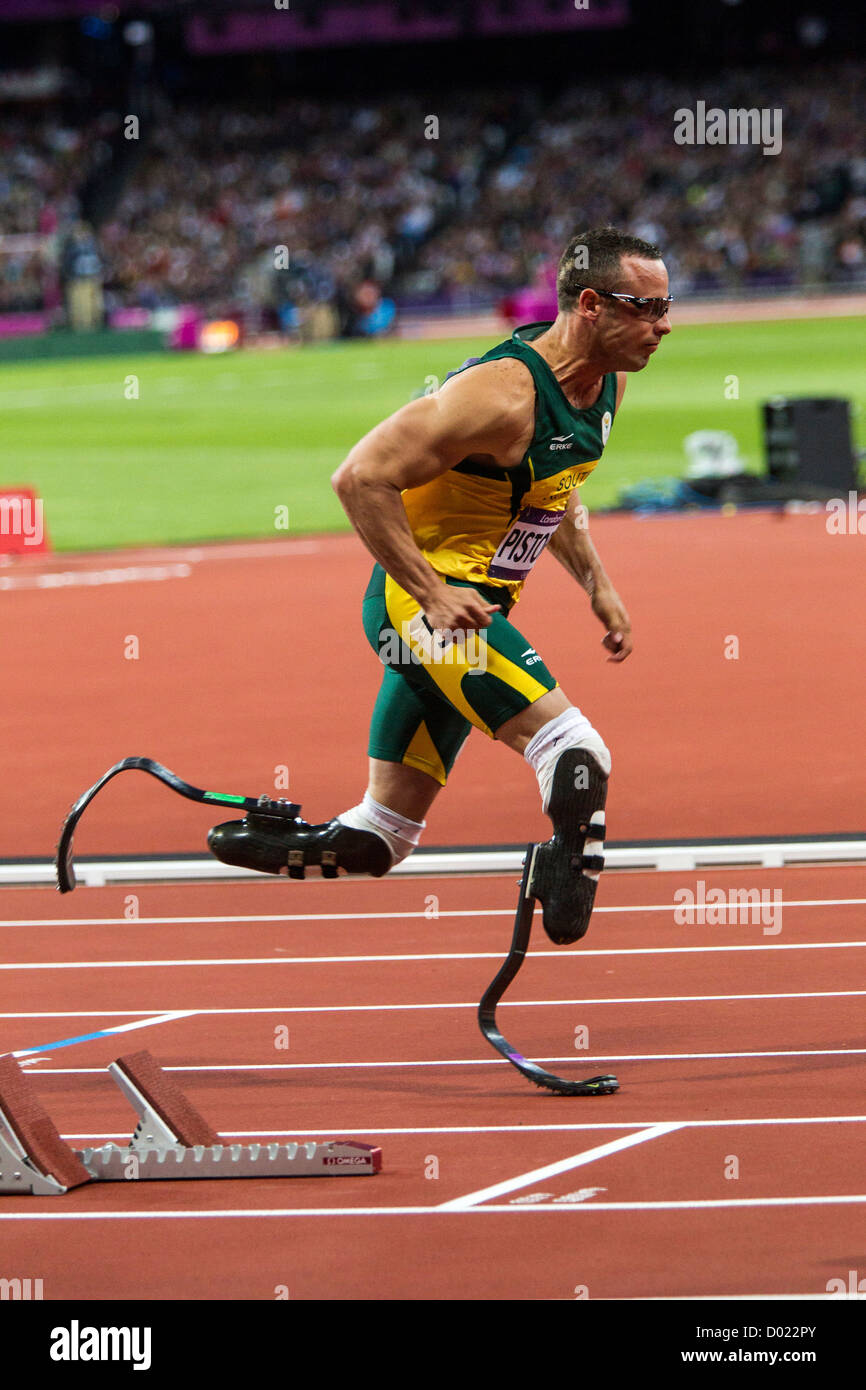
(449, 669)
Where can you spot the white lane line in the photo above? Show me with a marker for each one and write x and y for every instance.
(552, 1170)
(66, 579)
(272, 1213)
(646, 858)
(376, 916)
(251, 549)
(267, 917)
(699, 1204)
(178, 565)
(506, 1004)
(360, 1130)
(36, 1054)
(420, 956)
(481, 1061)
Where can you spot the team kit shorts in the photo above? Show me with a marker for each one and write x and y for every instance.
(435, 689)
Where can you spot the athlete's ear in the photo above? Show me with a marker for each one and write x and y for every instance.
(621, 379)
(590, 303)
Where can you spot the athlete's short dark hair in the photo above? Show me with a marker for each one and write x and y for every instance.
(594, 258)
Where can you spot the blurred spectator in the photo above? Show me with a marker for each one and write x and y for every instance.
(81, 274)
(45, 162)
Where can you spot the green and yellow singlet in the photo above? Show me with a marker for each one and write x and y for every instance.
(487, 525)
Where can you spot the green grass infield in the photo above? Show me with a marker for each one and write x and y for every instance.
(177, 448)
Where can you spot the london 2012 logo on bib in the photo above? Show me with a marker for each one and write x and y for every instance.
(529, 533)
(606, 422)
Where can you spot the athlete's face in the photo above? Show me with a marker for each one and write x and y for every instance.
(627, 337)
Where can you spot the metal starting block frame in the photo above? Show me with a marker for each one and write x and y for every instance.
(146, 1163)
(155, 1151)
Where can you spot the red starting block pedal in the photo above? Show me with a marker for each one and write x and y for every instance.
(171, 1141)
(33, 1157)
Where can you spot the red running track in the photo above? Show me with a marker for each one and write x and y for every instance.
(740, 712)
(737, 1161)
(740, 1052)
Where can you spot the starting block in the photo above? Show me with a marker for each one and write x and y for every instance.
(171, 1141)
(33, 1157)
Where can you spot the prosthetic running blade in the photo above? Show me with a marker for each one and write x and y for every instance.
(63, 860)
(595, 1085)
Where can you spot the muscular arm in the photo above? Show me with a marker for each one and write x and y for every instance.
(487, 411)
(572, 545)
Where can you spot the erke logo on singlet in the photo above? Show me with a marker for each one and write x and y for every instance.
(562, 441)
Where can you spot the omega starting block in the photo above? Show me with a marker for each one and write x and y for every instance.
(171, 1141)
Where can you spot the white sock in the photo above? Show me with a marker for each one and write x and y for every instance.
(569, 730)
(400, 834)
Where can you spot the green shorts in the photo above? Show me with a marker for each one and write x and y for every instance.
(433, 691)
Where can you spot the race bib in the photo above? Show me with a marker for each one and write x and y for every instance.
(529, 534)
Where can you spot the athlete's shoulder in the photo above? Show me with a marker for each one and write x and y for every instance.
(505, 383)
(491, 409)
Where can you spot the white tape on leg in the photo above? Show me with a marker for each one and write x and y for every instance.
(594, 847)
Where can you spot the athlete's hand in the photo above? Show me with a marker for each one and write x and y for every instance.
(610, 610)
(459, 610)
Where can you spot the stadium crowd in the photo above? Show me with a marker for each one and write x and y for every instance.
(45, 166)
(727, 216)
(310, 204)
(319, 216)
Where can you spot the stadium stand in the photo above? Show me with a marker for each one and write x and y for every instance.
(374, 213)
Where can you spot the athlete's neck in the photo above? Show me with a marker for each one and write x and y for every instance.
(579, 373)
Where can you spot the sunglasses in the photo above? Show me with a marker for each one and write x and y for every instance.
(652, 309)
